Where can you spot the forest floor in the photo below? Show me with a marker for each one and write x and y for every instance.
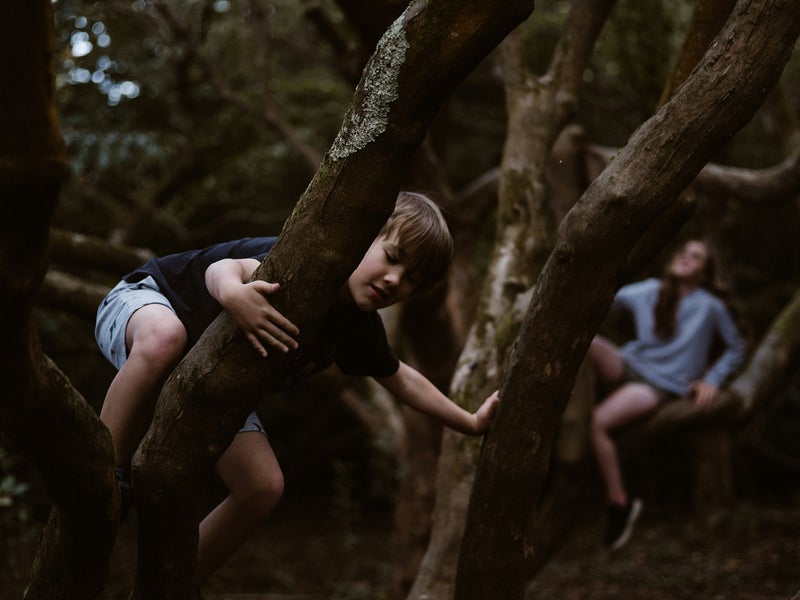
(747, 552)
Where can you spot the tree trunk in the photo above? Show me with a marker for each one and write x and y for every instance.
(712, 453)
(538, 109)
(577, 284)
(46, 420)
(418, 63)
(707, 21)
(563, 492)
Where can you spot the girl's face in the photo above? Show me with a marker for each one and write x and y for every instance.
(689, 263)
(382, 278)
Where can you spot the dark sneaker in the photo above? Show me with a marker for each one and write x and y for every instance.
(621, 520)
(125, 491)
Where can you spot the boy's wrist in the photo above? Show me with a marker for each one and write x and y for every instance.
(227, 291)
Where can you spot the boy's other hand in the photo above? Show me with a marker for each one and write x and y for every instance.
(485, 414)
(262, 324)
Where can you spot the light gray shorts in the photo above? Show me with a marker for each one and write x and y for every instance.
(113, 315)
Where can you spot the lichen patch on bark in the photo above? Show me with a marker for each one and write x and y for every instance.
(378, 91)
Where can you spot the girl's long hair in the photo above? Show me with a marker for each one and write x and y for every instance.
(666, 307)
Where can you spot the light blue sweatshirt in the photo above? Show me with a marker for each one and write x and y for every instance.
(673, 364)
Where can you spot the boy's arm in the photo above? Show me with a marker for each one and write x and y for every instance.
(228, 282)
(414, 389)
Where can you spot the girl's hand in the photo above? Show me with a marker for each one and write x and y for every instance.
(704, 393)
(485, 414)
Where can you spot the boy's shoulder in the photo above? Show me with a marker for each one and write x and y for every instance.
(249, 247)
(243, 247)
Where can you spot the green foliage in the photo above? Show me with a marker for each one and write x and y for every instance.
(11, 491)
(147, 131)
(21, 502)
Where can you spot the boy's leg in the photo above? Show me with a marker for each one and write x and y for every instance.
(155, 339)
(254, 479)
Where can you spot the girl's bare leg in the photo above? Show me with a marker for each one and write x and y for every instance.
(606, 361)
(626, 404)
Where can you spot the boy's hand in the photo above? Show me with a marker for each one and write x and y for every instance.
(261, 322)
(228, 281)
(485, 414)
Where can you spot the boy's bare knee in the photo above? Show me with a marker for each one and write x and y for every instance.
(160, 343)
(262, 496)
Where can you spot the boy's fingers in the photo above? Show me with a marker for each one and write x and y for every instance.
(265, 287)
(282, 336)
(282, 322)
(256, 344)
(278, 339)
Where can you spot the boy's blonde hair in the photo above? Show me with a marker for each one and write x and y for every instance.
(423, 237)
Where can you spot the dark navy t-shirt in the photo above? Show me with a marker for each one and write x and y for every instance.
(353, 339)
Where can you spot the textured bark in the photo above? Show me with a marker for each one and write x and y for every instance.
(577, 284)
(538, 109)
(707, 20)
(40, 413)
(336, 219)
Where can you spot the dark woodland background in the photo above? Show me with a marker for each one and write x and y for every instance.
(188, 125)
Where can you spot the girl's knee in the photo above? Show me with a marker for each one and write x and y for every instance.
(597, 424)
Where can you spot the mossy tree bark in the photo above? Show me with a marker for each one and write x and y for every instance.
(419, 61)
(42, 415)
(538, 109)
(577, 284)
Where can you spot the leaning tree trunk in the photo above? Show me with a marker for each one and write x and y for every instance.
(419, 61)
(551, 524)
(707, 20)
(577, 284)
(538, 109)
(48, 422)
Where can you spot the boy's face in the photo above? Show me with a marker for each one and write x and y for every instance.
(382, 278)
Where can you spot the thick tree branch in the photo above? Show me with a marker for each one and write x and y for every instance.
(42, 415)
(707, 20)
(770, 186)
(92, 252)
(538, 108)
(577, 284)
(64, 291)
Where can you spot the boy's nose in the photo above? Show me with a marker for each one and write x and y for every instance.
(393, 276)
